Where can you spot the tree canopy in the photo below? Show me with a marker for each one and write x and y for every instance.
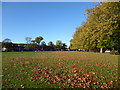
(58, 43)
(38, 39)
(7, 40)
(50, 43)
(101, 29)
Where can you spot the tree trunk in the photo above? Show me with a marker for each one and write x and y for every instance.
(101, 50)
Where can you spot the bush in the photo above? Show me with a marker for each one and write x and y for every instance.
(113, 52)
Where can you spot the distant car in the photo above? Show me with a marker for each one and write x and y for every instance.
(107, 51)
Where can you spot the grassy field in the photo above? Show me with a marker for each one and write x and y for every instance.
(59, 69)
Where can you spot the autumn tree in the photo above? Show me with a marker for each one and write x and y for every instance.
(101, 29)
(106, 23)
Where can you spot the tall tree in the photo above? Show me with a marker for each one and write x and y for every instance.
(102, 28)
(38, 39)
(107, 21)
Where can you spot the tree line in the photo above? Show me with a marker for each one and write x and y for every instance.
(101, 29)
(34, 45)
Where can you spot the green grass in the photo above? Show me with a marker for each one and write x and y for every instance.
(55, 69)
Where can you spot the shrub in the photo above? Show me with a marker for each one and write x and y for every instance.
(113, 52)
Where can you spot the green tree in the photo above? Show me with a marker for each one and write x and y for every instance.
(58, 45)
(64, 46)
(101, 29)
(43, 45)
(51, 46)
(106, 23)
(50, 43)
(38, 39)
